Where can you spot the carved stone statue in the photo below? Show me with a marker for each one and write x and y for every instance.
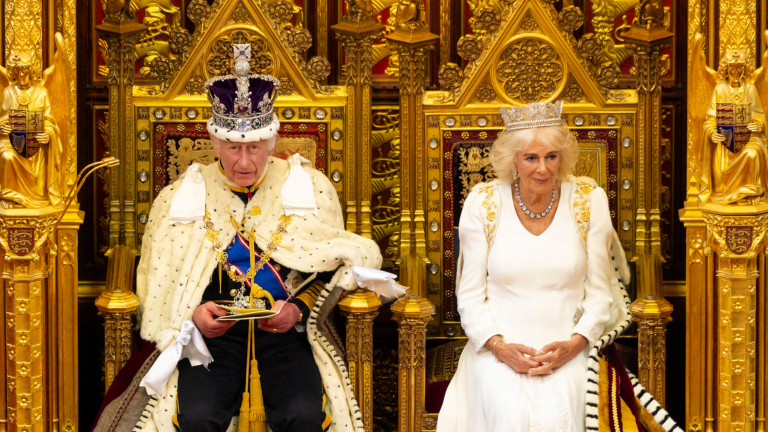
(732, 157)
(32, 163)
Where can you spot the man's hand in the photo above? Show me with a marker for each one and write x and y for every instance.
(283, 321)
(513, 355)
(204, 320)
(557, 354)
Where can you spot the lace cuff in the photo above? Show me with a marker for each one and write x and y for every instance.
(479, 340)
(588, 332)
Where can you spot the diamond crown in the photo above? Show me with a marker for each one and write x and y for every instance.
(243, 116)
(533, 115)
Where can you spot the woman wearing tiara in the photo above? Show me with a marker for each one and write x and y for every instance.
(534, 290)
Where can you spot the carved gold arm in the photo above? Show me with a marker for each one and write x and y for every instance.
(361, 307)
(412, 314)
(117, 304)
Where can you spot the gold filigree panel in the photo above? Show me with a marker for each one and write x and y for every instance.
(529, 69)
(218, 59)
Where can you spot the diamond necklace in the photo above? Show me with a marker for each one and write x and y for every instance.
(530, 213)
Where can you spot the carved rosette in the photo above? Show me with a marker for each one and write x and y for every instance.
(450, 76)
(530, 70)
(571, 18)
(469, 47)
(485, 94)
(485, 21)
(198, 11)
(589, 46)
(608, 74)
(300, 40)
(180, 41)
(281, 11)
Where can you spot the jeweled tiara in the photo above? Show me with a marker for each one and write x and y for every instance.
(533, 115)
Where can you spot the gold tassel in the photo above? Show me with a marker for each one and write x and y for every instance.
(242, 422)
(258, 414)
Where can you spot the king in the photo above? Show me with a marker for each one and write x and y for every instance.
(250, 227)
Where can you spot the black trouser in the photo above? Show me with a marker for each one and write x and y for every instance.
(290, 383)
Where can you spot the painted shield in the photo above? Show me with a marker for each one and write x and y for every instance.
(738, 239)
(21, 241)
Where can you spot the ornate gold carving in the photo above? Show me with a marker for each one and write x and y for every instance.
(450, 77)
(718, 237)
(286, 87)
(185, 152)
(361, 307)
(530, 70)
(33, 178)
(573, 93)
(180, 40)
(604, 14)
(738, 28)
(608, 74)
(469, 47)
(281, 11)
(318, 68)
(198, 11)
(529, 25)
(300, 40)
(219, 58)
(240, 16)
(412, 315)
(652, 315)
(571, 18)
(485, 94)
(385, 190)
(24, 29)
(485, 21)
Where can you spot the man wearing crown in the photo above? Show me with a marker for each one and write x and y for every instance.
(250, 233)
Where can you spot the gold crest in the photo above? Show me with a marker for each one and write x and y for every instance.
(21, 241)
(738, 239)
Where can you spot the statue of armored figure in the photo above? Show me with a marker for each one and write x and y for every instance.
(732, 157)
(33, 132)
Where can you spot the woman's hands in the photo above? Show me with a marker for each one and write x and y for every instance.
(526, 360)
(513, 355)
(204, 318)
(556, 354)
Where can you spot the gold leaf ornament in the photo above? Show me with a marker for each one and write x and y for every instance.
(571, 18)
(450, 76)
(469, 47)
(589, 46)
(300, 40)
(318, 68)
(608, 74)
(281, 11)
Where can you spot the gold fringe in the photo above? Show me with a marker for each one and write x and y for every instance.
(258, 415)
(242, 422)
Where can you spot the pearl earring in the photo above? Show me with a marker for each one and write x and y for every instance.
(514, 172)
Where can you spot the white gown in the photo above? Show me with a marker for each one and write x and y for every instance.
(529, 292)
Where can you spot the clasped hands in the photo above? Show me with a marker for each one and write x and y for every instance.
(526, 360)
(41, 138)
(205, 315)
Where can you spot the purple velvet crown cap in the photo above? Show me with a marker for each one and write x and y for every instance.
(226, 91)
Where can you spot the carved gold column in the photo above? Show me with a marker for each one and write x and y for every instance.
(62, 324)
(412, 40)
(120, 29)
(117, 304)
(649, 37)
(361, 307)
(28, 255)
(652, 315)
(357, 32)
(412, 314)
(736, 242)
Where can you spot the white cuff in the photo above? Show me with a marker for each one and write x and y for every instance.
(588, 332)
(197, 353)
(482, 337)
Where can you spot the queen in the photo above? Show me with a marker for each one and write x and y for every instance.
(35, 181)
(538, 294)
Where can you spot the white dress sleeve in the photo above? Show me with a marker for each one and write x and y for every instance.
(471, 295)
(597, 284)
